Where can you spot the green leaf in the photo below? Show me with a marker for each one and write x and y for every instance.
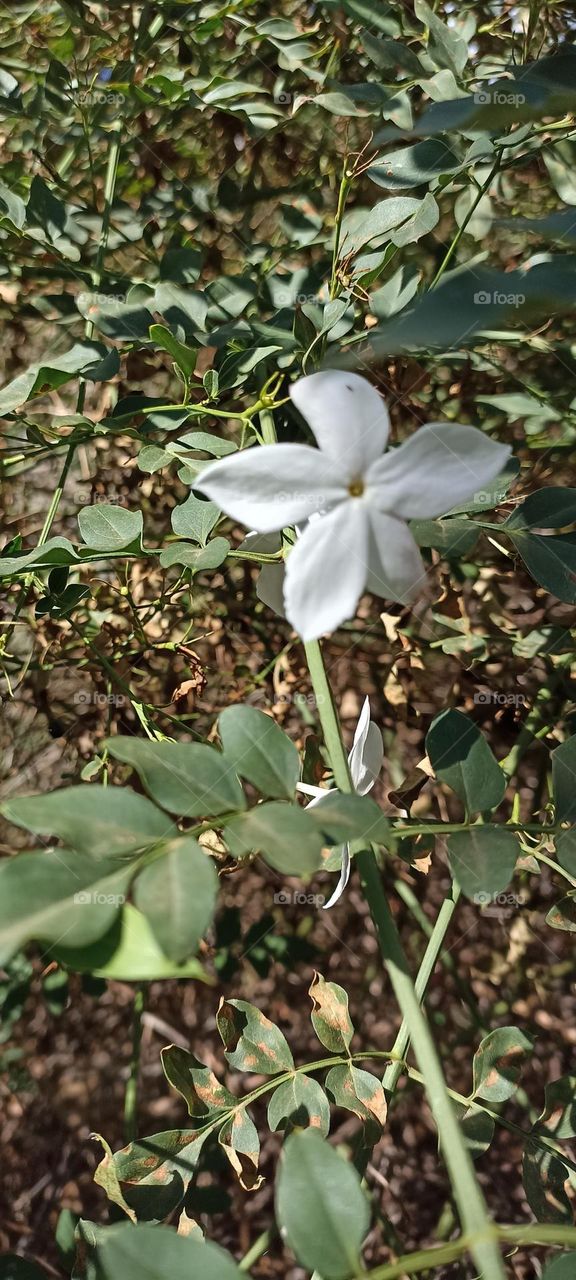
(474, 300)
(189, 779)
(566, 850)
(195, 518)
(498, 1062)
(185, 357)
(299, 1103)
(56, 551)
(49, 897)
(461, 757)
(330, 1016)
(258, 750)
(551, 561)
(153, 1253)
(358, 1091)
(102, 821)
(452, 537)
(321, 1208)
(195, 558)
(177, 894)
(482, 860)
(82, 360)
(545, 509)
(128, 952)
(251, 1042)
(197, 1084)
(284, 834)
(564, 780)
(445, 45)
(562, 1267)
(412, 166)
(105, 527)
(343, 818)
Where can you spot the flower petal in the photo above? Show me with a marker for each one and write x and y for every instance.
(343, 879)
(396, 568)
(346, 414)
(271, 485)
(442, 464)
(365, 758)
(326, 570)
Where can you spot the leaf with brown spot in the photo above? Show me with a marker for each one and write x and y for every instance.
(153, 1174)
(558, 1119)
(544, 1177)
(330, 1017)
(239, 1140)
(251, 1041)
(563, 915)
(299, 1103)
(200, 1088)
(360, 1092)
(498, 1063)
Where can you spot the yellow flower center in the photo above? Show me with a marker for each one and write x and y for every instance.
(356, 488)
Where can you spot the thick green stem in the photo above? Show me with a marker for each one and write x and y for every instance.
(470, 1201)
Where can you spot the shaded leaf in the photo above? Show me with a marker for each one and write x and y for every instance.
(284, 834)
(461, 757)
(239, 1140)
(298, 1104)
(177, 894)
(102, 821)
(197, 1084)
(189, 779)
(498, 1062)
(482, 860)
(251, 1041)
(259, 751)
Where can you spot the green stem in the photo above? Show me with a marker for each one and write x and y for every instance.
(435, 944)
(131, 1095)
(466, 1189)
(437, 1256)
(457, 238)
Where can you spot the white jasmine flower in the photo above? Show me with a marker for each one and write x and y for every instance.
(365, 762)
(362, 495)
